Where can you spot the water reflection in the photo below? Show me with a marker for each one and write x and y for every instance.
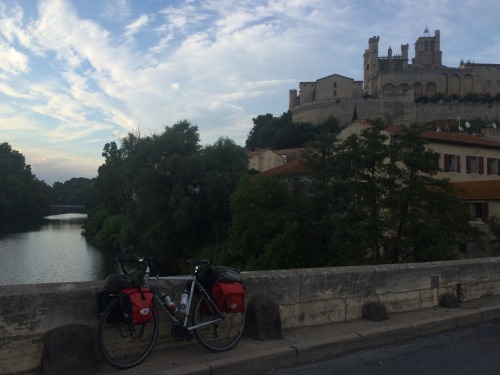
(55, 252)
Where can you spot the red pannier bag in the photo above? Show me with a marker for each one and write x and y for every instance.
(229, 297)
(136, 305)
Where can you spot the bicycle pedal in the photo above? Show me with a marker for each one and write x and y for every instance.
(189, 337)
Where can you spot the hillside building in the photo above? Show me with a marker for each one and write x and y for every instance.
(392, 83)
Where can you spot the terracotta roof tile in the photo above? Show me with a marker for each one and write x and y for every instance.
(478, 190)
(450, 137)
(294, 167)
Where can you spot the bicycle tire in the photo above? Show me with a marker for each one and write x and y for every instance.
(123, 345)
(220, 336)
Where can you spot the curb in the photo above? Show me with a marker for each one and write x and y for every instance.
(331, 347)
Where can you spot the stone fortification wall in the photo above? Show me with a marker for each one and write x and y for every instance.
(393, 110)
(305, 297)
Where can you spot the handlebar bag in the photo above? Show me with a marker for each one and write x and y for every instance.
(229, 297)
(136, 305)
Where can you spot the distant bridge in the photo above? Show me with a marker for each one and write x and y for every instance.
(57, 209)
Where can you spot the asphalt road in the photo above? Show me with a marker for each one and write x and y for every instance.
(468, 351)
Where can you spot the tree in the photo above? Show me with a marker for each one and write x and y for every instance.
(270, 227)
(224, 164)
(371, 198)
(390, 207)
(428, 221)
(164, 194)
(23, 198)
(73, 192)
(280, 133)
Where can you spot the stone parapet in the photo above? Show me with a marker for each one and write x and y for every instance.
(305, 297)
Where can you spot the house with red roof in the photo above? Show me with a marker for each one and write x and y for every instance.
(262, 160)
(471, 161)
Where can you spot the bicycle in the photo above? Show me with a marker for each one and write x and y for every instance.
(125, 345)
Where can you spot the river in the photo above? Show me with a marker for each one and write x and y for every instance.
(54, 252)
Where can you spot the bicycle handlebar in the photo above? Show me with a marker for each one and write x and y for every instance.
(146, 261)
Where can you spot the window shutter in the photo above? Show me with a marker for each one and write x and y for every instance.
(484, 212)
(458, 163)
(446, 165)
(489, 166)
(467, 164)
(481, 165)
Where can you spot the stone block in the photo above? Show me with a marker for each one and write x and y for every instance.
(375, 311)
(263, 320)
(395, 278)
(20, 354)
(434, 325)
(401, 302)
(69, 349)
(327, 348)
(475, 290)
(282, 285)
(429, 298)
(339, 282)
(354, 306)
(490, 313)
(387, 335)
(464, 271)
(495, 268)
(467, 318)
(310, 314)
(448, 300)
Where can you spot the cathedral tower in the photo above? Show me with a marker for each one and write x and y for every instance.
(427, 50)
(370, 67)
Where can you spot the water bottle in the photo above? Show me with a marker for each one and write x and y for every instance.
(169, 303)
(184, 301)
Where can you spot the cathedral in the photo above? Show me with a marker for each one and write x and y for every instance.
(393, 85)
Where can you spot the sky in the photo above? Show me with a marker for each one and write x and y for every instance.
(77, 74)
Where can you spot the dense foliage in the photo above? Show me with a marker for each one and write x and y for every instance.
(164, 194)
(75, 191)
(23, 198)
(280, 133)
(470, 97)
(368, 200)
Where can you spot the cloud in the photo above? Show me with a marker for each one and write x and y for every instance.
(137, 25)
(12, 62)
(78, 73)
(116, 10)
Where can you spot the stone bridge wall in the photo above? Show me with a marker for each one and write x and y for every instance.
(305, 297)
(393, 110)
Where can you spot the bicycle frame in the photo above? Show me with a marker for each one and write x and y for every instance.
(214, 328)
(194, 285)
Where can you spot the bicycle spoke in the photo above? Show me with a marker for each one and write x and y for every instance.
(221, 335)
(124, 345)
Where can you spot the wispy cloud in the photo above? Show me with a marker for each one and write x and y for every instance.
(76, 74)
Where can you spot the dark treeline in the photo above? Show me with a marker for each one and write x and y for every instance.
(24, 199)
(75, 191)
(360, 201)
(164, 195)
(280, 133)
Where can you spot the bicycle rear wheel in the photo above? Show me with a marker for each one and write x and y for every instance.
(125, 345)
(221, 335)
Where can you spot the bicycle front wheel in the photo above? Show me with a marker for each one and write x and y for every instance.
(220, 335)
(125, 345)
